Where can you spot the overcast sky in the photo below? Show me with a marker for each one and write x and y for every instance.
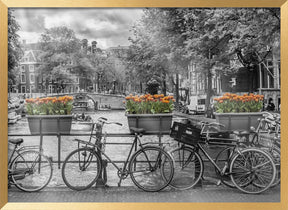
(109, 27)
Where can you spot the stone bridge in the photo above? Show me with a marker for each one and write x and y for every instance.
(101, 101)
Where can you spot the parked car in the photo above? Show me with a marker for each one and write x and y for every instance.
(197, 104)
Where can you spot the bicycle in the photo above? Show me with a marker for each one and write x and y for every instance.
(28, 169)
(269, 125)
(249, 169)
(146, 167)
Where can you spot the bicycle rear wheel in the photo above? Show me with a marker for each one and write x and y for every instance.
(81, 169)
(31, 171)
(188, 168)
(145, 168)
(252, 170)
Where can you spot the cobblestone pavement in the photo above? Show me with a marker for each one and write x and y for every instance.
(208, 193)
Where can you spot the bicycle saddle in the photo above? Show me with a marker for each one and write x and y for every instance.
(137, 130)
(16, 141)
(241, 133)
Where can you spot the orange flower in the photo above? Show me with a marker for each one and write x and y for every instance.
(165, 101)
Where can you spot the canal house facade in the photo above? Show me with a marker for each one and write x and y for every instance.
(266, 80)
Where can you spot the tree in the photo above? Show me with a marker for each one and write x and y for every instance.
(167, 39)
(157, 47)
(14, 49)
(59, 45)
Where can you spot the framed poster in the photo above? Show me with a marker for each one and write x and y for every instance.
(58, 7)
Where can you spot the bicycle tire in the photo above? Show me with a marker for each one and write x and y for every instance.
(275, 153)
(276, 156)
(81, 169)
(188, 168)
(146, 171)
(222, 158)
(28, 174)
(252, 170)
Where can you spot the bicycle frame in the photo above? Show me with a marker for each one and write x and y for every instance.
(199, 146)
(133, 146)
(18, 151)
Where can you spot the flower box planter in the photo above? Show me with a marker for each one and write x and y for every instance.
(238, 121)
(49, 124)
(152, 123)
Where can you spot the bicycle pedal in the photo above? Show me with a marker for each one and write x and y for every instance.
(218, 183)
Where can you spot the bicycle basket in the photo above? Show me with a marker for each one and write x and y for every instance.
(184, 133)
(177, 130)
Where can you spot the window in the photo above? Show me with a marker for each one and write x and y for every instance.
(50, 88)
(39, 87)
(31, 68)
(22, 68)
(23, 78)
(23, 89)
(32, 78)
(201, 101)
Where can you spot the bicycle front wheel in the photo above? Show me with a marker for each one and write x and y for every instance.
(252, 170)
(31, 171)
(81, 169)
(147, 166)
(222, 160)
(275, 154)
(188, 168)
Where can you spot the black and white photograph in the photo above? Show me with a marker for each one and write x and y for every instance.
(160, 105)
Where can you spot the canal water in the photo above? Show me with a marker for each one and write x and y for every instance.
(115, 151)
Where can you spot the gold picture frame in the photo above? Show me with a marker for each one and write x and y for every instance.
(5, 4)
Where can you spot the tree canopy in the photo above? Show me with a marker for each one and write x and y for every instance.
(14, 48)
(170, 38)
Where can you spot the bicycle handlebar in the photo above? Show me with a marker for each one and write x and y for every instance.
(102, 118)
(104, 121)
(271, 118)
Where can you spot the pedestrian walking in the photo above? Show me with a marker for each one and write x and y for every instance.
(271, 105)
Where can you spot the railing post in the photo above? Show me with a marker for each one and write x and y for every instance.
(41, 142)
(59, 142)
